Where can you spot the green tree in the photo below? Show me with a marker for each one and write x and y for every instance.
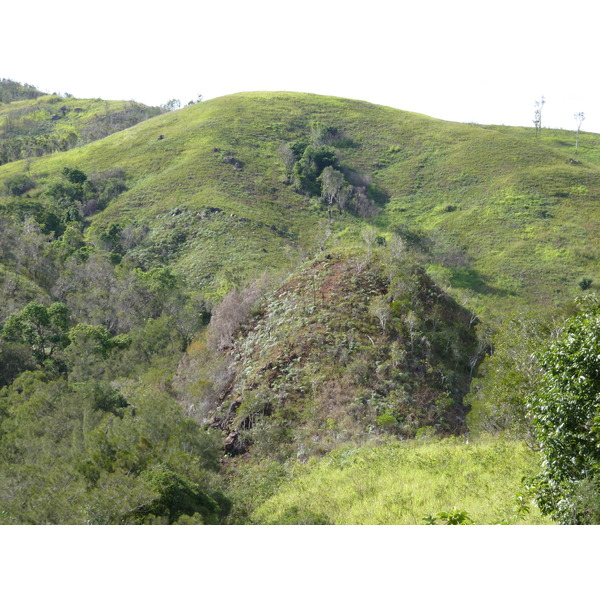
(43, 329)
(506, 378)
(75, 176)
(566, 416)
(308, 169)
(89, 346)
(333, 189)
(17, 185)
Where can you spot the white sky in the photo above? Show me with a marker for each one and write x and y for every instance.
(461, 60)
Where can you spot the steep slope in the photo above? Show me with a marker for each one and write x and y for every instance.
(350, 347)
(502, 218)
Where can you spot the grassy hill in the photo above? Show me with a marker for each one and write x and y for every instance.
(333, 245)
(498, 214)
(33, 123)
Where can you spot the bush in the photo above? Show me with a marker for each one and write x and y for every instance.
(566, 417)
(18, 184)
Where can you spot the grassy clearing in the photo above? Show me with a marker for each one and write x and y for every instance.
(402, 482)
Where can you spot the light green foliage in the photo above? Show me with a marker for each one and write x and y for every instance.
(509, 375)
(453, 517)
(566, 417)
(400, 483)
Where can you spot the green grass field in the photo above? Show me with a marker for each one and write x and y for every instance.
(402, 482)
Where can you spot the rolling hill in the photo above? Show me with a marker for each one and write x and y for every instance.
(497, 213)
(350, 258)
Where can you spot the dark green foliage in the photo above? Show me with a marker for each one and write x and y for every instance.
(18, 185)
(566, 417)
(585, 283)
(102, 396)
(509, 375)
(308, 168)
(75, 176)
(175, 497)
(14, 359)
(43, 329)
(76, 196)
(87, 453)
(66, 199)
(11, 91)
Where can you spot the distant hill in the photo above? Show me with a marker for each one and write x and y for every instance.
(33, 123)
(10, 91)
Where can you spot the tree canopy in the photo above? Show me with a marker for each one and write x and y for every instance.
(566, 417)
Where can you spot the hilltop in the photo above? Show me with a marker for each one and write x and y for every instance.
(499, 215)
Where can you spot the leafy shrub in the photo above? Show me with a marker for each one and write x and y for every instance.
(566, 417)
(18, 185)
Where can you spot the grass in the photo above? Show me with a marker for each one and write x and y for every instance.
(52, 123)
(402, 482)
(527, 218)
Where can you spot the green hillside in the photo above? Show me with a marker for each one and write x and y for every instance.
(502, 216)
(33, 123)
(404, 483)
(198, 304)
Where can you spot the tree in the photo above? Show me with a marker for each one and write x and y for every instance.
(537, 119)
(308, 169)
(566, 417)
(198, 99)
(172, 104)
(579, 119)
(75, 176)
(379, 307)
(89, 346)
(43, 329)
(17, 185)
(332, 188)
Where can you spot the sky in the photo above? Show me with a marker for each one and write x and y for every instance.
(468, 61)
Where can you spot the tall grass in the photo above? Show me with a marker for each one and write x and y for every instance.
(402, 482)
